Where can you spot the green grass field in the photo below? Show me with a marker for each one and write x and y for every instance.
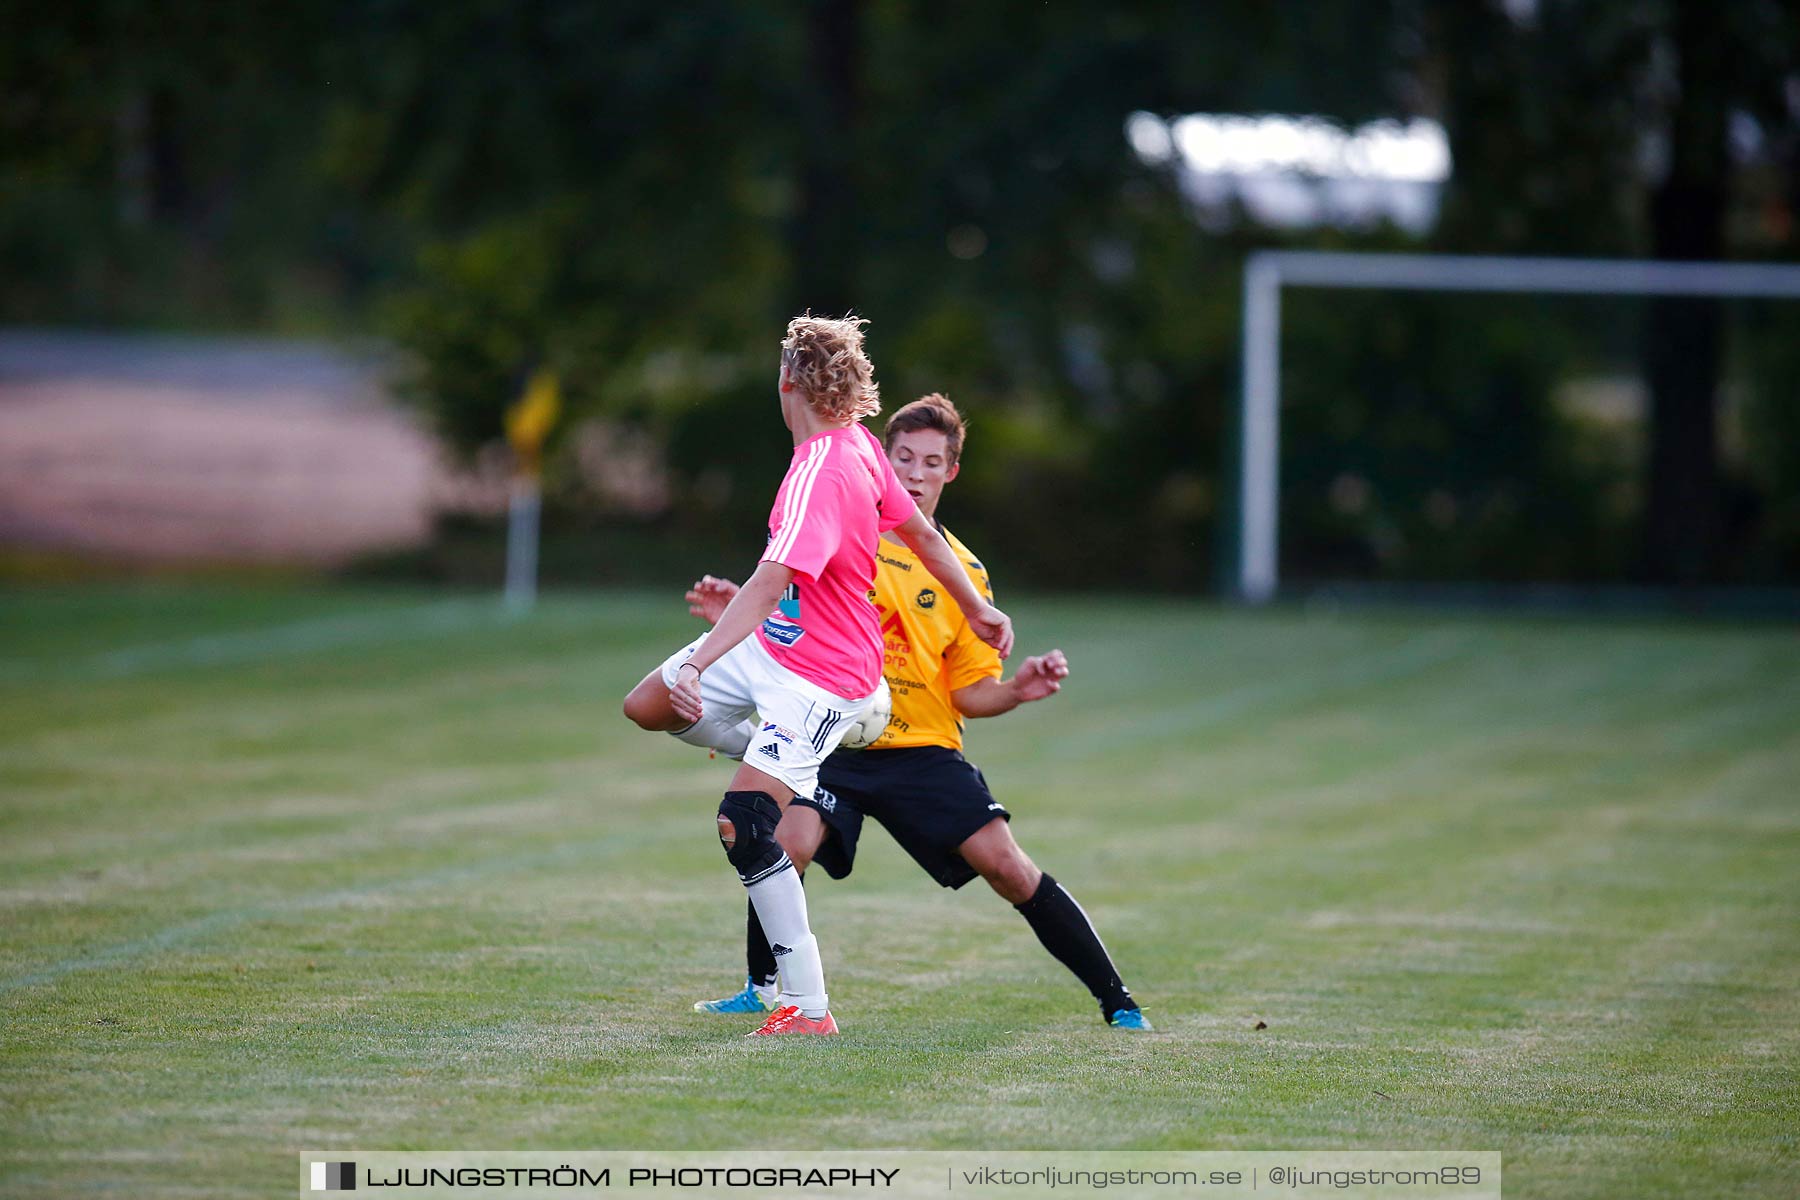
(377, 870)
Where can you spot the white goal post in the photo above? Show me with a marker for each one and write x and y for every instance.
(1266, 272)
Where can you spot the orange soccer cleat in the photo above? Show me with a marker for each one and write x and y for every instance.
(789, 1019)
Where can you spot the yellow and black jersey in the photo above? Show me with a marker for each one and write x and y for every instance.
(928, 649)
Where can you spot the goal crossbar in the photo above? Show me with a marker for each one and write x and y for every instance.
(1266, 272)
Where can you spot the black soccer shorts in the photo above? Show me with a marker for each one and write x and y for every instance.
(843, 825)
(930, 798)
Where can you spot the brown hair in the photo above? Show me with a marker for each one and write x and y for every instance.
(825, 360)
(929, 412)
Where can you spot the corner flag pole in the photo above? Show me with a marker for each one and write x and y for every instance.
(528, 423)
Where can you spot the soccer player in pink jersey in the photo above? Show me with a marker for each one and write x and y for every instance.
(800, 644)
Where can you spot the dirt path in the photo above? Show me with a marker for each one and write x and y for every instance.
(150, 451)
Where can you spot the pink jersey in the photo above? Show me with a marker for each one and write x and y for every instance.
(839, 497)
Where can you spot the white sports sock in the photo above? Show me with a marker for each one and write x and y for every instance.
(711, 733)
(781, 907)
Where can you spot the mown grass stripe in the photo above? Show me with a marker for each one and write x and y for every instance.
(1530, 881)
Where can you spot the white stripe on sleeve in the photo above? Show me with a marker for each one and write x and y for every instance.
(790, 532)
(790, 500)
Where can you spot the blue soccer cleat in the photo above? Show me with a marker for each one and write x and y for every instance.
(1131, 1018)
(746, 1001)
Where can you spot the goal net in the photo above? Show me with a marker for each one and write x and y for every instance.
(1495, 407)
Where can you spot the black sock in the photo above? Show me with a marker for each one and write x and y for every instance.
(1067, 934)
(757, 953)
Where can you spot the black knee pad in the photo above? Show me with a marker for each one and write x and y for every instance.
(747, 822)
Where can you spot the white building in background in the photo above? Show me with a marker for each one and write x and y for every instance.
(207, 450)
(1301, 172)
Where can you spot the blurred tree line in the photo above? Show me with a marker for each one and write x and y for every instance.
(639, 194)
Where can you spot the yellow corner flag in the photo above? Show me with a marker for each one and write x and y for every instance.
(529, 420)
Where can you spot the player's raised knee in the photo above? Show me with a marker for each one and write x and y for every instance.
(648, 710)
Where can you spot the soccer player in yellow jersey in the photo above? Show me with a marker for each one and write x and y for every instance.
(913, 780)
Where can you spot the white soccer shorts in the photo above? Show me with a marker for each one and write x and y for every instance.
(800, 721)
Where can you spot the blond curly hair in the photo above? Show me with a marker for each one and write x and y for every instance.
(825, 360)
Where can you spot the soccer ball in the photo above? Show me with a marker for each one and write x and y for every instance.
(862, 734)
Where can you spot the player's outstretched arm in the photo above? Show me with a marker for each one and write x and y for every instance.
(709, 596)
(1038, 678)
(989, 623)
(753, 603)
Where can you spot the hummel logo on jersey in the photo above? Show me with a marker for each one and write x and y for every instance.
(993, 806)
(778, 949)
(769, 749)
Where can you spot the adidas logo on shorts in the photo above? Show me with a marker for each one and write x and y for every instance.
(769, 749)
